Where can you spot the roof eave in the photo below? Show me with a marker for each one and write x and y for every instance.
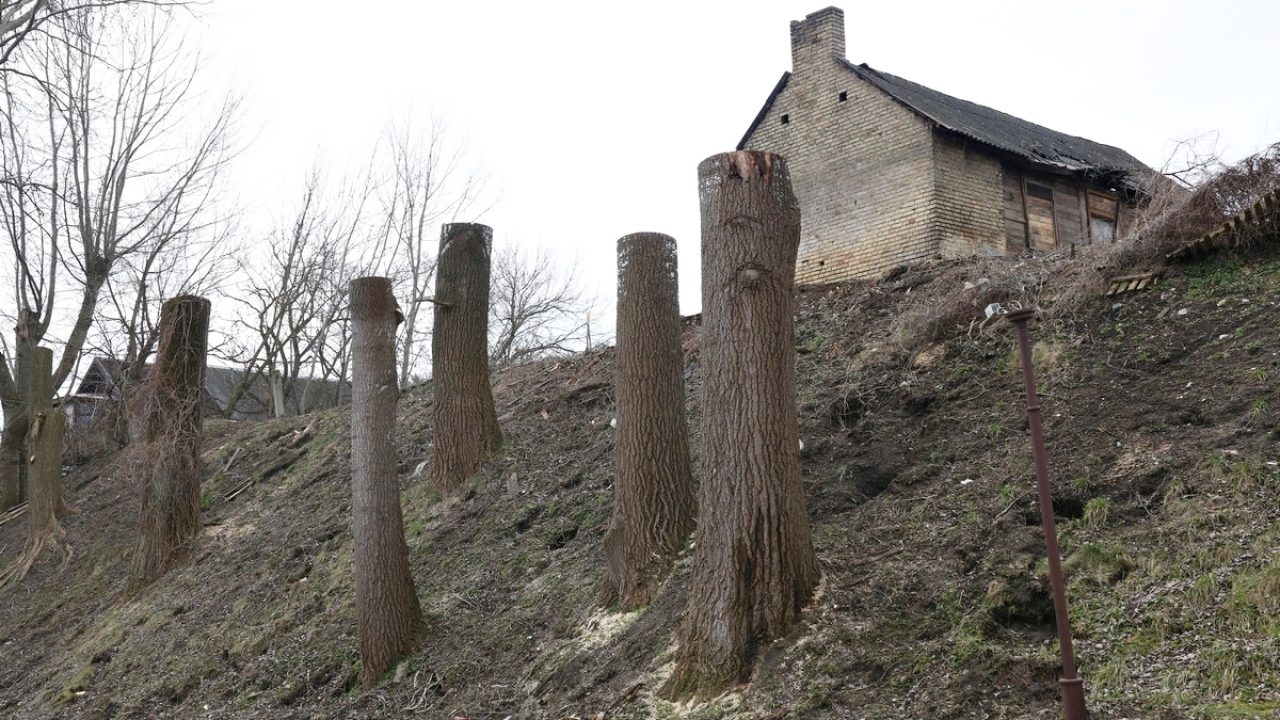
(764, 111)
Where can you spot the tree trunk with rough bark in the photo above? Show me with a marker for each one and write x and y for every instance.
(464, 421)
(168, 461)
(654, 504)
(13, 465)
(754, 566)
(45, 429)
(388, 615)
(11, 461)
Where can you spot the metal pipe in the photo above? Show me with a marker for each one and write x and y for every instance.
(1072, 685)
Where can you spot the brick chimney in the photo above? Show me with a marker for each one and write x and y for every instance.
(817, 39)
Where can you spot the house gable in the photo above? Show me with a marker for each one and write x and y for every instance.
(850, 148)
(889, 172)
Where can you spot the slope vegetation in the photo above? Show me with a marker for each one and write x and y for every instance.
(1161, 416)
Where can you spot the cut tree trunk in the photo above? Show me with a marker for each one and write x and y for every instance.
(13, 464)
(388, 616)
(44, 443)
(167, 462)
(654, 503)
(464, 422)
(11, 461)
(754, 566)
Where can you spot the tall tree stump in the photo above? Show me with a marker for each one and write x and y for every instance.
(13, 466)
(653, 499)
(46, 427)
(754, 567)
(15, 429)
(464, 422)
(388, 616)
(168, 460)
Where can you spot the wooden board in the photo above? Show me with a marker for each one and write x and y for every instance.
(1015, 211)
(1066, 202)
(1040, 224)
(1015, 236)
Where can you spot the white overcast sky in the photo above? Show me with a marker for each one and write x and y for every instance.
(590, 118)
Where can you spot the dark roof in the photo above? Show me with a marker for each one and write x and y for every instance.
(1031, 142)
(102, 377)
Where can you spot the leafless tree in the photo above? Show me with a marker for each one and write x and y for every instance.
(428, 186)
(20, 19)
(536, 308)
(95, 169)
(128, 319)
(293, 301)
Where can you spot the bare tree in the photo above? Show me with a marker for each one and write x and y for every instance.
(754, 566)
(293, 301)
(95, 170)
(22, 18)
(428, 186)
(653, 506)
(388, 615)
(535, 308)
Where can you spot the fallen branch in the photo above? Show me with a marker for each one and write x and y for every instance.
(299, 435)
(12, 513)
(1009, 507)
(237, 490)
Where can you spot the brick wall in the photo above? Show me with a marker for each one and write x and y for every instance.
(863, 168)
(968, 216)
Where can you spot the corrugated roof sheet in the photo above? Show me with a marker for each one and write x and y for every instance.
(1034, 143)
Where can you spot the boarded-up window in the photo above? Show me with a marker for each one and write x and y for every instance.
(1102, 217)
(1040, 224)
(1101, 230)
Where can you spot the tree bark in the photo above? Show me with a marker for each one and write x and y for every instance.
(464, 421)
(168, 463)
(754, 567)
(44, 430)
(11, 462)
(654, 503)
(387, 611)
(13, 400)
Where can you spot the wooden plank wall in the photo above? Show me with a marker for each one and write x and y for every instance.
(1015, 213)
(1040, 217)
(1067, 200)
(1040, 223)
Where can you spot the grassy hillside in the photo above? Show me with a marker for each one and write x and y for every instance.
(1163, 439)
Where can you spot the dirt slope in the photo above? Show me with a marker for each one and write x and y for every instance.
(1164, 447)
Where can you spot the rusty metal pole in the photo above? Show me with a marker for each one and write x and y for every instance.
(1072, 685)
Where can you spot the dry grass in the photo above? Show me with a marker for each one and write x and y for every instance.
(1175, 215)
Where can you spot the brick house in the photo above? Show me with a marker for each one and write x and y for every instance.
(890, 172)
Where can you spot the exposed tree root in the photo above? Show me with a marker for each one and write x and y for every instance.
(53, 539)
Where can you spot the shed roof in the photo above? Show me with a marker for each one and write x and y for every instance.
(1027, 140)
